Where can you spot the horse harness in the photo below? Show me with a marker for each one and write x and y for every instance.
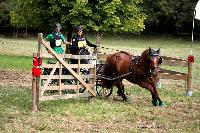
(135, 60)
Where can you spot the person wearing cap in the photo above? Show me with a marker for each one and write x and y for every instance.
(79, 42)
(56, 39)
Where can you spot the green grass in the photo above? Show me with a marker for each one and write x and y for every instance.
(103, 115)
(16, 62)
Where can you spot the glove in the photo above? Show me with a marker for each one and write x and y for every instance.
(67, 43)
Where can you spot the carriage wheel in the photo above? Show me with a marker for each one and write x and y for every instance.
(104, 92)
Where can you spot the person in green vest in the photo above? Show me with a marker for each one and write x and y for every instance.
(56, 39)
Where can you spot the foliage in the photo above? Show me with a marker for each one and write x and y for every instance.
(169, 15)
(26, 15)
(5, 7)
(119, 16)
(108, 16)
(115, 16)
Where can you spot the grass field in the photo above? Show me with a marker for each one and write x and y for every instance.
(102, 115)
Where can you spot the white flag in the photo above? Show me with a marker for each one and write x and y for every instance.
(197, 10)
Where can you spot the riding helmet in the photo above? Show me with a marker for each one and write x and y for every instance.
(58, 25)
(79, 28)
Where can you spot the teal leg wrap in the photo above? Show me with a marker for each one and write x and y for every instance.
(162, 104)
(155, 102)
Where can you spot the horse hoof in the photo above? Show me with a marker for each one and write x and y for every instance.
(125, 99)
(155, 102)
(119, 93)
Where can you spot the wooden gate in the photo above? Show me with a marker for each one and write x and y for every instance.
(61, 80)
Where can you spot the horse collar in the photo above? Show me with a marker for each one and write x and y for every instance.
(135, 60)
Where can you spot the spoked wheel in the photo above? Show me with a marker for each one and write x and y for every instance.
(104, 92)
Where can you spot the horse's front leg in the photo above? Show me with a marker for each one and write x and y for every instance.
(152, 88)
(155, 94)
(153, 83)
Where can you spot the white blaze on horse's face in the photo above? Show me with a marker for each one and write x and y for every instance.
(154, 62)
(154, 59)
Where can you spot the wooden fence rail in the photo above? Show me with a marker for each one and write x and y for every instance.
(169, 74)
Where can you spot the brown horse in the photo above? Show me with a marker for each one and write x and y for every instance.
(141, 70)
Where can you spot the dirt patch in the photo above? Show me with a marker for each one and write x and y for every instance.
(15, 78)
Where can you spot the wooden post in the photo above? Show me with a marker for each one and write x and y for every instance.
(38, 81)
(59, 83)
(189, 79)
(91, 81)
(40, 37)
(38, 84)
(34, 87)
(34, 95)
(79, 73)
(98, 41)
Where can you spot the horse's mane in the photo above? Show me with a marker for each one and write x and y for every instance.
(125, 52)
(144, 53)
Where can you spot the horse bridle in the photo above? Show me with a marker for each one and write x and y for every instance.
(154, 55)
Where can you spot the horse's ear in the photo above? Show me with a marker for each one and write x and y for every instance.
(160, 60)
(149, 49)
(158, 51)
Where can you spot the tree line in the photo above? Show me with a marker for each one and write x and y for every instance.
(99, 16)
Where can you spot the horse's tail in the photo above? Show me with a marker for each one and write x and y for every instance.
(108, 73)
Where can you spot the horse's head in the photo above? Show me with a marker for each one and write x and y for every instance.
(154, 59)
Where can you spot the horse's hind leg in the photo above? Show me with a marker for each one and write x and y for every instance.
(121, 90)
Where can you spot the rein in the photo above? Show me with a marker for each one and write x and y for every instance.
(115, 78)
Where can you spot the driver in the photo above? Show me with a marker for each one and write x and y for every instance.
(79, 43)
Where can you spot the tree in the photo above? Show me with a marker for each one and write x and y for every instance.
(169, 15)
(107, 15)
(94, 15)
(28, 14)
(5, 7)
